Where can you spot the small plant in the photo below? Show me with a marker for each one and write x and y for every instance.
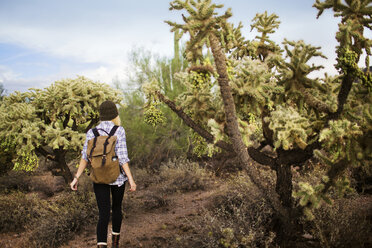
(236, 217)
(61, 220)
(17, 211)
(183, 176)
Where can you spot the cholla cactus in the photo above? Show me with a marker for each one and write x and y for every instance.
(290, 129)
(265, 25)
(52, 121)
(153, 116)
(199, 24)
(356, 16)
(298, 114)
(311, 197)
(253, 85)
(341, 140)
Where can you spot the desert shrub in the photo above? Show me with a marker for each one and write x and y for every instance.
(145, 177)
(39, 184)
(148, 201)
(62, 219)
(182, 176)
(15, 181)
(236, 217)
(17, 210)
(345, 223)
(149, 147)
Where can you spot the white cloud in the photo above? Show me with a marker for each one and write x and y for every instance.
(105, 46)
(6, 74)
(13, 82)
(95, 37)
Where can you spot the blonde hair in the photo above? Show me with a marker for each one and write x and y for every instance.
(117, 121)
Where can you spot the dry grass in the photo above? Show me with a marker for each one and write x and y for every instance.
(236, 217)
(17, 210)
(183, 176)
(178, 176)
(63, 219)
(26, 207)
(345, 223)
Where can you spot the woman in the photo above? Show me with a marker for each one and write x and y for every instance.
(109, 117)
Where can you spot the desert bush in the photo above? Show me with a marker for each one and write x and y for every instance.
(17, 210)
(181, 175)
(63, 219)
(149, 147)
(148, 201)
(236, 217)
(26, 182)
(144, 177)
(345, 223)
(15, 181)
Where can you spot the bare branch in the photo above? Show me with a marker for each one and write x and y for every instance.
(192, 124)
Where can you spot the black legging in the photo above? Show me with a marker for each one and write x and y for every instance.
(102, 192)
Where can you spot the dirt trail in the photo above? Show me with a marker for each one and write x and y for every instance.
(152, 228)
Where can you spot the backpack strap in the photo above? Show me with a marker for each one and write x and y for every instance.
(103, 130)
(96, 134)
(112, 132)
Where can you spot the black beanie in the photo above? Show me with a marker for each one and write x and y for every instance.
(107, 111)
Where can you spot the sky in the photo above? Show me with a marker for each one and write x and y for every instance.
(42, 41)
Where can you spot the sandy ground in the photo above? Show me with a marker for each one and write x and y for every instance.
(143, 228)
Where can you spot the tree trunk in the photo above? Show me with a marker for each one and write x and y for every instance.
(286, 227)
(62, 169)
(233, 128)
(284, 185)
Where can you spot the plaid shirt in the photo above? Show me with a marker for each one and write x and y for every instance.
(120, 148)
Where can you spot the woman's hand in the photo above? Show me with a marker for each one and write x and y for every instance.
(133, 185)
(74, 184)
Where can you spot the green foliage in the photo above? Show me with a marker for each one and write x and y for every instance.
(291, 130)
(154, 133)
(198, 102)
(26, 161)
(153, 116)
(55, 117)
(265, 25)
(148, 146)
(341, 140)
(199, 24)
(356, 16)
(253, 85)
(200, 146)
(347, 64)
(311, 198)
(276, 84)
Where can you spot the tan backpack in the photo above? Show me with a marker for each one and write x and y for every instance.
(103, 161)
